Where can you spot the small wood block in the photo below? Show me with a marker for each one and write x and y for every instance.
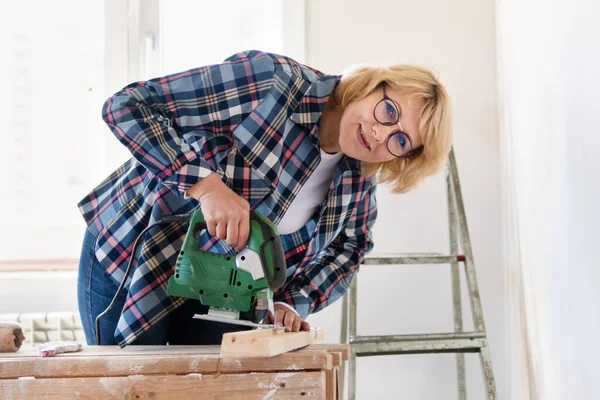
(11, 336)
(267, 342)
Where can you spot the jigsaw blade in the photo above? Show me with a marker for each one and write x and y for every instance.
(271, 307)
(236, 321)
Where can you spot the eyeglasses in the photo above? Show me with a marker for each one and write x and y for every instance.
(398, 143)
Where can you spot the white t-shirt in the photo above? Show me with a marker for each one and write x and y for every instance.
(309, 198)
(311, 195)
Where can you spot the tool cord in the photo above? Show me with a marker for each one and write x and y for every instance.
(165, 219)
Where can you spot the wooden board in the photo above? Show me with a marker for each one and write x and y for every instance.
(288, 385)
(157, 372)
(131, 350)
(343, 349)
(331, 385)
(266, 342)
(91, 363)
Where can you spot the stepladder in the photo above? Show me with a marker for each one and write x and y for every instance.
(457, 341)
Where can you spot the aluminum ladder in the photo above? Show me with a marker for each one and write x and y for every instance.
(458, 342)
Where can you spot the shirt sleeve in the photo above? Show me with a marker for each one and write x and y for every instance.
(328, 276)
(178, 126)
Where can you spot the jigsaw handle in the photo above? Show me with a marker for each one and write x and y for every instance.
(199, 224)
(263, 238)
(224, 280)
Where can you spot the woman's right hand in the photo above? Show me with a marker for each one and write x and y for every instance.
(227, 215)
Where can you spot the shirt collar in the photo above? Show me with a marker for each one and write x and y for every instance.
(308, 110)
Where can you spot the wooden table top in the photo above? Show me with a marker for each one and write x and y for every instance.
(155, 360)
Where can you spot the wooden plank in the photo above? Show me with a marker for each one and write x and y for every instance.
(345, 349)
(154, 364)
(289, 385)
(115, 351)
(103, 351)
(266, 342)
(336, 359)
(91, 351)
(331, 384)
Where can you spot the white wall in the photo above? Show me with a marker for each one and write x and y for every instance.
(458, 40)
(550, 128)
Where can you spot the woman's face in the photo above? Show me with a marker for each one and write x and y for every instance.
(362, 137)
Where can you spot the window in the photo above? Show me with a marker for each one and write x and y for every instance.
(62, 59)
(201, 33)
(52, 65)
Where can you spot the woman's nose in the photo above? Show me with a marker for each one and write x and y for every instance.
(381, 132)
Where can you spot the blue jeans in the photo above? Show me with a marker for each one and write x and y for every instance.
(96, 289)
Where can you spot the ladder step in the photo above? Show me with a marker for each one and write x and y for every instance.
(459, 342)
(413, 258)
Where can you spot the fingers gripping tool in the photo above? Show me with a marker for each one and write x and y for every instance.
(235, 287)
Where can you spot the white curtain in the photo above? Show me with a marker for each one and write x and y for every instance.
(549, 92)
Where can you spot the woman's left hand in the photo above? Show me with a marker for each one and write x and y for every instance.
(287, 318)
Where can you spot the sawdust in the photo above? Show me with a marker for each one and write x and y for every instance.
(269, 395)
(193, 364)
(263, 385)
(136, 368)
(285, 375)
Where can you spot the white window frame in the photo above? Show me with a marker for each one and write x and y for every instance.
(132, 53)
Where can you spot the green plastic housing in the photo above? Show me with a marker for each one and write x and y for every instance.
(215, 280)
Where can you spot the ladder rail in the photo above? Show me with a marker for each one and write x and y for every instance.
(413, 258)
(352, 333)
(345, 338)
(466, 245)
(459, 346)
(418, 337)
(461, 376)
(458, 342)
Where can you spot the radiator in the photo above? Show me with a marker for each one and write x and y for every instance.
(39, 328)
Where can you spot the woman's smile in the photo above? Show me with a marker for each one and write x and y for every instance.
(361, 138)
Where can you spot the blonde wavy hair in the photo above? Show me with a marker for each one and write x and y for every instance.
(435, 120)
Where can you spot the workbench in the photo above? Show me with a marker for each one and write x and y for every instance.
(171, 372)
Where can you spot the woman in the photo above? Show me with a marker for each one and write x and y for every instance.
(258, 132)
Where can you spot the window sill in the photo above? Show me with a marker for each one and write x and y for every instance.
(39, 265)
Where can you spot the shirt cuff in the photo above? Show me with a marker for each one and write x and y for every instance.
(188, 175)
(296, 300)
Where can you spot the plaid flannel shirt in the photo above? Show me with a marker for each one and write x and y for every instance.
(253, 121)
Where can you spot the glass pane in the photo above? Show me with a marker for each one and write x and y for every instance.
(52, 131)
(197, 33)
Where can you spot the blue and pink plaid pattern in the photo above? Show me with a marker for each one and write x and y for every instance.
(253, 121)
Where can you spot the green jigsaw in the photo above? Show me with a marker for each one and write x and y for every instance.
(231, 284)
